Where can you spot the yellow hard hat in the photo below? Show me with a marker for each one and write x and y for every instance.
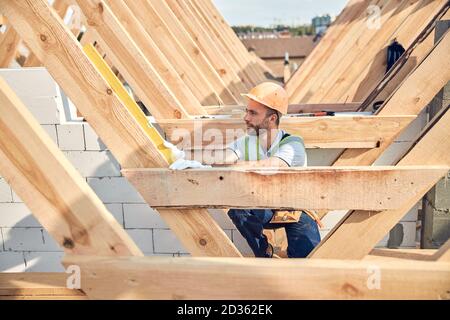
(271, 95)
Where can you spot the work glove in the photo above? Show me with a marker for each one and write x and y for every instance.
(180, 162)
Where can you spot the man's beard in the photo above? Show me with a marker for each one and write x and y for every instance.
(257, 130)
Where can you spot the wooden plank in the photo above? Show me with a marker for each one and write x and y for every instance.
(9, 43)
(317, 132)
(324, 48)
(360, 85)
(228, 70)
(359, 75)
(265, 279)
(63, 56)
(337, 45)
(174, 41)
(215, 31)
(284, 188)
(412, 58)
(410, 98)
(52, 189)
(359, 232)
(239, 110)
(203, 35)
(35, 285)
(146, 80)
(213, 65)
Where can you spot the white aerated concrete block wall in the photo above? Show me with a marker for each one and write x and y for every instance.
(26, 246)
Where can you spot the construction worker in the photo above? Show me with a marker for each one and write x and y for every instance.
(265, 145)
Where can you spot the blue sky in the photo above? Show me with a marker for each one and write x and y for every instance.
(269, 12)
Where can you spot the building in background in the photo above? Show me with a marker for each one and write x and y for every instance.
(273, 51)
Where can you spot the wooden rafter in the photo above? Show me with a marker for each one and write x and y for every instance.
(320, 188)
(228, 278)
(317, 132)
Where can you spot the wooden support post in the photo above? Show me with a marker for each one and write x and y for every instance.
(63, 56)
(359, 232)
(9, 42)
(260, 279)
(294, 188)
(316, 132)
(54, 191)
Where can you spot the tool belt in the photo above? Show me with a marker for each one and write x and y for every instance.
(293, 216)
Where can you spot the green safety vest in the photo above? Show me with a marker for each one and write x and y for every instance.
(287, 138)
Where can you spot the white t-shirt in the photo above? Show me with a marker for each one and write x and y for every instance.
(290, 149)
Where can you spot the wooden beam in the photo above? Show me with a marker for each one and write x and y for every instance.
(358, 76)
(410, 98)
(53, 190)
(179, 48)
(324, 48)
(260, 279)
(225, 68)
(358, 232)
(359, 86)
(37, 286)
(401, 254)
(133, 62)
(443, 254)
(317, 132)
(239, 110)
(198, 29)
(9, 42)
(280, 188)
(63, 56)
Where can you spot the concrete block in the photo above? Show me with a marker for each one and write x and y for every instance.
(30, 82)
(43, 261)
(222, 218)
(322, 157)
(23, 239)
(93, 142)
(5, 193)
(71, 137)
(165, 241)
(51, 131)
(115, 190)
(94, 163)
(140, 215)
(44, 109)
(242, 245)
(143, 238)
(116, 210)
(17, 215)
(12, 262)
